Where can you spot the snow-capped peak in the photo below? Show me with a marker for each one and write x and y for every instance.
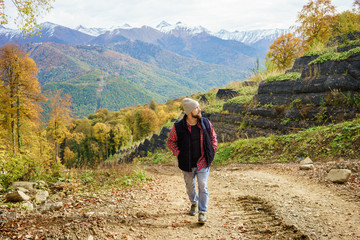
(163, 24)
(252, 36)
(179, 28)
(126, 26)
(47, 28)
(91, 31)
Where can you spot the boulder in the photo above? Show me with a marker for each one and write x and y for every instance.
(203, 99)
(56, 206)
(226, 94)
(41, 196)
(339, 175)
(306, 161)
(51, 206)
(306, 167)
(28, 185)
(28, 206)
(24, 190)
(16, 196)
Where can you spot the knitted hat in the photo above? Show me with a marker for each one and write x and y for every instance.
(189, 105)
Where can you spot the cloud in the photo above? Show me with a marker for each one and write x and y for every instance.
(212, 14)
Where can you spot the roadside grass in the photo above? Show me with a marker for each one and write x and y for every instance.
(159, 156)
(322, 143)
(106, 178)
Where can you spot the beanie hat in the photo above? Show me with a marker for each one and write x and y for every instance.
(189, 105)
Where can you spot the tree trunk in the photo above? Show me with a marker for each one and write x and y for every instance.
(18, 122)
(13, 135)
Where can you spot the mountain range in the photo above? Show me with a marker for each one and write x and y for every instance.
(125, 66)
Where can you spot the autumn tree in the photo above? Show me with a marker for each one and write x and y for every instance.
(60, 117)
(28, 13)
(356, 6)
(152, 105)
(285, 50)
(101, 133)
(345, 23)
(315, 20)
(20, 93)
(146, 122)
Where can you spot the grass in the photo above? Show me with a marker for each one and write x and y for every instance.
(160, 156)
(318, 143)
(106, 178)
(335, 56)
(292, 76)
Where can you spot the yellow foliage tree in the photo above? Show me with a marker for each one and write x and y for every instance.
(60, 117)
(20, 94)
(285, 50)
(345, 23)
(101, 134)
(315, 20)
(146, 122)
(28, 12)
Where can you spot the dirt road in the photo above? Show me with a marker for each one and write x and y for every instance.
(246, 202)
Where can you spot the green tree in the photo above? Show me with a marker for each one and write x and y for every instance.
(28, 13)
(20, 95)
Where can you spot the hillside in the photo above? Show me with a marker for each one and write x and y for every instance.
(61, 66)
(168, 61)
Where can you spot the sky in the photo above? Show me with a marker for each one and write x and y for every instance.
(212, 14)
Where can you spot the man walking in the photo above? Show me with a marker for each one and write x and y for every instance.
(193, 141)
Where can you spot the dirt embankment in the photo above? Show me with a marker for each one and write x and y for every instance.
(246, 202)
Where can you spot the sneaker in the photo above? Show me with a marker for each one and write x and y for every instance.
(193, 209)
(202, 218)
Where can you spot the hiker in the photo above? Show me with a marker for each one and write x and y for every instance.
(193, 140)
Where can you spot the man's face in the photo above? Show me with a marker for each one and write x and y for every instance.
(196, 113)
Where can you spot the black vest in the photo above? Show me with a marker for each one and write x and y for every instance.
(184, 143)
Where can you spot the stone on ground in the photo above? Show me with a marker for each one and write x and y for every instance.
(339, 175)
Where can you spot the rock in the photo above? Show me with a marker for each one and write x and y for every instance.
(339, 175)
(203, 99)
(51, 207)
(306, 161)
(17, 196)
(24, 190)
(90, 237)
(28, 206)
(89, 214)
(226, 94)
(56, 206)
(41, 196)
(59, 186)
(306, 167)
(28, 185)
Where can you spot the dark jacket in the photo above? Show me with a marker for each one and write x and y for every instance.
(184, 141)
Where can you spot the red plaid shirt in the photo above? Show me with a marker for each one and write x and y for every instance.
(172, 143)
